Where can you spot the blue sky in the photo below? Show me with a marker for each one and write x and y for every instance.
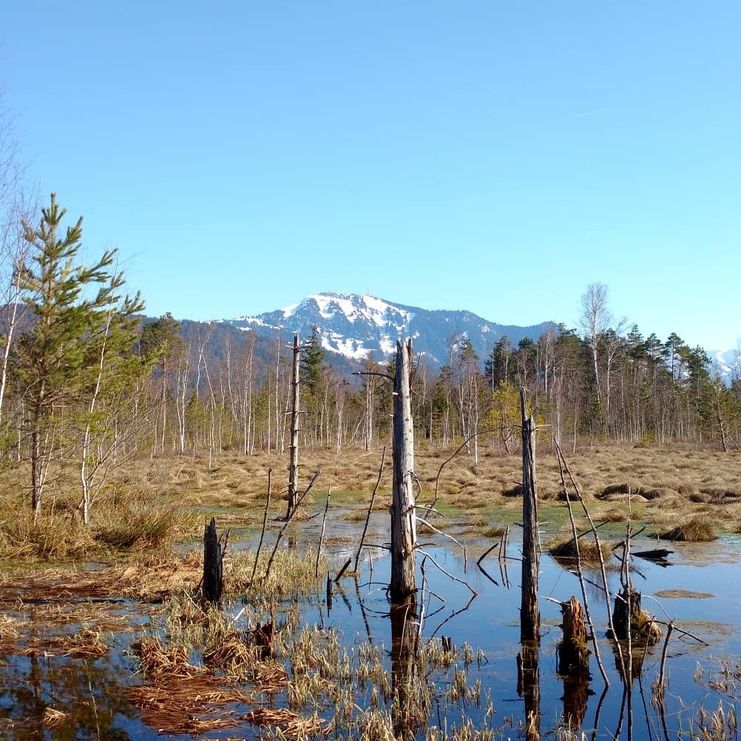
(493, 156)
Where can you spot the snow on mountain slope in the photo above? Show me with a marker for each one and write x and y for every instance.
(726, 364)
(355, 325)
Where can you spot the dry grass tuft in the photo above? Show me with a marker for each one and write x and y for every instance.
(696, 530)
(142, 525)
(232, 654)
(86, 644)
(513, 491)
(588, 552)
(52, 537)
(54, 718)
(290, 724)
(187, 706)
(158, 661)
(181, 697)
(291, 573)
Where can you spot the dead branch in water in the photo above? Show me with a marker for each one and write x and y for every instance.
(282, 531)
(264, 523)
(370, 508)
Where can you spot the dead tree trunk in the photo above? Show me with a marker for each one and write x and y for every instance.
(573, 654)
(403, 526)
(529, 612)
(293, 454)
(213, 567)
(630, 620)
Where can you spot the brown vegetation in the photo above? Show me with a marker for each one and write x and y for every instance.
(696, 530)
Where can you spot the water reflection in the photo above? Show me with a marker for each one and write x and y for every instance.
(92, 691)
(88, 694)
(528, 687)
(409, 713)
(575, 695)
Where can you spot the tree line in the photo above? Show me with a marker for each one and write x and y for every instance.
(86, 384)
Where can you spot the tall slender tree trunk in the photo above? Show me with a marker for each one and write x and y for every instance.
(37, 468)
(164, 406)
(403, 524)
(529, 612)
(293, 450)
(85, 476)
(9, 341)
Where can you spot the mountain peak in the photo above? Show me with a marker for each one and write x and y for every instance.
(355, 325)
(353, 307)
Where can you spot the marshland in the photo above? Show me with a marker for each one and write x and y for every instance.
(105, 632)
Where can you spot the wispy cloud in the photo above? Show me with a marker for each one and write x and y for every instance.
(595, 112)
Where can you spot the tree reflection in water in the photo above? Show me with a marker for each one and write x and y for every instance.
(410, 708)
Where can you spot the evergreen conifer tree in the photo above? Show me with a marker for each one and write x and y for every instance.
(70, 303)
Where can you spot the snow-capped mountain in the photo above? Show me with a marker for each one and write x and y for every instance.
(727, 365)
(354, 326)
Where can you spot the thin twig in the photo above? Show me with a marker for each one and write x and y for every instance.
(449, 575)
(486, 553)
(580, 573)
(598, 544)
(321, 534)
(342, 571)
(447, 460)
(669, 630)
(454, 614)
(288, 522)
(422, 521)
(370, 508)
(264, 523)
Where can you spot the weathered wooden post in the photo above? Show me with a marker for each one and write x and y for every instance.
(403, 525)
(529, 612)
(293, 451)
(213, 567)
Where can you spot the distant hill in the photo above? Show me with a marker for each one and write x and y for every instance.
(351, 326)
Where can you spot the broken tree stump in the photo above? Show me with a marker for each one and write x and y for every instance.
(627, 615)
(573, 653)
(213, 564)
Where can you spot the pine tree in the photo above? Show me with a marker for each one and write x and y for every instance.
(54, 354)
(497, 366)
(312, 373)
(312, 362)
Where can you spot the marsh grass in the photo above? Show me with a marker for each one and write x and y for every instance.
(206, 664)
(125, 519)
(180, 697)
(291, 573)
(589, 553)
(53, 537)
(87, 643)
(139, 525)
(720, 724)
(696, 530)
(237, 484)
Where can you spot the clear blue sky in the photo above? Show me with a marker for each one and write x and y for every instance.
(494, 156)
